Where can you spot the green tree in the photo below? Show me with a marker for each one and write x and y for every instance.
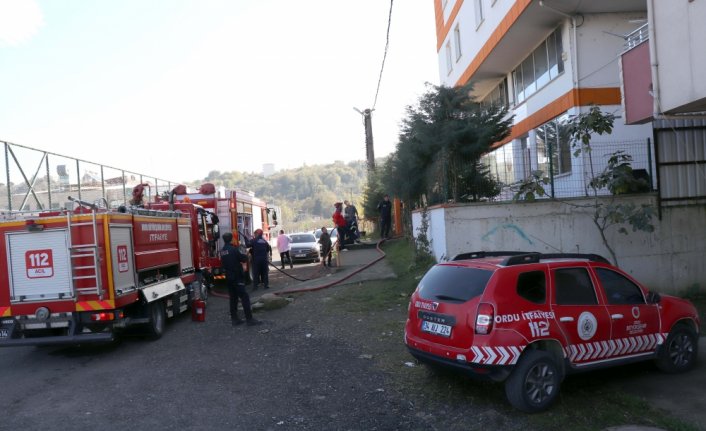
(441, 142)
(616, 177)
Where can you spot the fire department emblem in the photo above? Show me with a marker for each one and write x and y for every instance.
(587, 325)
(636, 312)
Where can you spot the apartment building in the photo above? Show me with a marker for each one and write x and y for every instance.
(546, 60)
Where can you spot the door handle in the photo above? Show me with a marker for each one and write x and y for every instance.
(566, 319)
(616, 316)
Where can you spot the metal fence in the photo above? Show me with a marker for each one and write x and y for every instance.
(38, 180)
(568, 175)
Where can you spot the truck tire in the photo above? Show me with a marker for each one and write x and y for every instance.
(534, 383)
(157, 316)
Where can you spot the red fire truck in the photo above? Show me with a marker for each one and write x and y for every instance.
(80, 276)
(226, 210)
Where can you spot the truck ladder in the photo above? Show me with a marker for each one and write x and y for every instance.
(90, 250)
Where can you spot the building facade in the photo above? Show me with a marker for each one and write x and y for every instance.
(546, 61)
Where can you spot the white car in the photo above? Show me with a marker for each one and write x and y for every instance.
(303, 246)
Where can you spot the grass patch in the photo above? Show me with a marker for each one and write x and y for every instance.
(386, 294)
(378, 311)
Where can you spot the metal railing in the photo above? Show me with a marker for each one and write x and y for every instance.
(37, 180)
(641, 34)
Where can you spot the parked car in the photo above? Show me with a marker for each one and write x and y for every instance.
(304, 247)
(529, 319)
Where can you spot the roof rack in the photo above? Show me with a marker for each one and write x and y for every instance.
(523, 257)
(536, 257)
(482, 254)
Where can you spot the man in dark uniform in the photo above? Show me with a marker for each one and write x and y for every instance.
(385, 208)
(261, 252)
(231, 261)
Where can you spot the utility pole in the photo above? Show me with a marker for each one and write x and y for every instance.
(368, 123)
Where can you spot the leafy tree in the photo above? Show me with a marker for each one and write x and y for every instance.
(441, 142)
(617, 177)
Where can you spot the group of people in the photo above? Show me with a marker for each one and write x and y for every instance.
(346, 223)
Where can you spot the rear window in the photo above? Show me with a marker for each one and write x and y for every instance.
(453, 283)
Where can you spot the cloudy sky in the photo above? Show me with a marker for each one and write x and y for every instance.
(177, 88)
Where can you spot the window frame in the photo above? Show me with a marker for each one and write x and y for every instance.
(457, 42)
(449, 61)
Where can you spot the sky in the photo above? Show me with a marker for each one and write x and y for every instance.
(178, 88)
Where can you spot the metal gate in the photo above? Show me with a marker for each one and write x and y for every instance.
(681, 161)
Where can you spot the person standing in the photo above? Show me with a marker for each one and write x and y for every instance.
(232, 260)
(350, 213)
(325, 241)
(385, 208)
(340, 223)
(261, 252)
(283, 247)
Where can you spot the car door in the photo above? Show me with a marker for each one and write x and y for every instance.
(583, 320)
(635, 323)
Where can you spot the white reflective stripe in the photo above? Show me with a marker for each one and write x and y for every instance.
(616, 316)
(566, 319)
(478, 355)
(504, 355)
(516, 353)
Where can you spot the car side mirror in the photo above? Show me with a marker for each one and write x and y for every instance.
(653, 298)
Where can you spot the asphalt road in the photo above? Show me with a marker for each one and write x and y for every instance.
(280, 375)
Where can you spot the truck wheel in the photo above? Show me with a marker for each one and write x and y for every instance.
(679, 352)
(155, 327)
(534, 383)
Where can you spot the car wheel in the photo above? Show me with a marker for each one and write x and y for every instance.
(534, 383)
(155, 327)
(679, 352)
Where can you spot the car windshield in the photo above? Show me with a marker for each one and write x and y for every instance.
(453, 283)
(303, 237)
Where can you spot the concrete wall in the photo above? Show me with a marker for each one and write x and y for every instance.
(670, 259)
(680, 35)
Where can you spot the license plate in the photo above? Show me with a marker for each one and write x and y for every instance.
(436, 328)
(299, 255)
(4, 333)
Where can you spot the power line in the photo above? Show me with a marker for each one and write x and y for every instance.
(387, 44)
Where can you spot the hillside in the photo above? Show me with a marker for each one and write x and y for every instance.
(305, 195)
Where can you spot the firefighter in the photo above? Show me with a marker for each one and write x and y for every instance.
(231, 259)
(261, 253)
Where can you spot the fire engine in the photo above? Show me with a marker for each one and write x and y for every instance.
(226, 210)
(82, 275)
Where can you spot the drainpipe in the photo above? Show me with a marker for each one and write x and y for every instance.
(653, 58)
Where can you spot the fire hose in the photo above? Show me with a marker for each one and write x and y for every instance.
(327, 285)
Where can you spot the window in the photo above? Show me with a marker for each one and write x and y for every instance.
(497, 96)
(573, 287)
(539, 68)
(453, 283)
(554, 146)
(618, 289)
(532, 286)
(449, 63)
(457, 41)
(479, 12)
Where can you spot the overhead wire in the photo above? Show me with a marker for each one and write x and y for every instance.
(387, 45)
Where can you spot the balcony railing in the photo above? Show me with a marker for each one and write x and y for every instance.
(636, 37)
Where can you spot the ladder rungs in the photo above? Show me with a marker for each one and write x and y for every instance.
(85, 267)
(84, 277)
(82, 246)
